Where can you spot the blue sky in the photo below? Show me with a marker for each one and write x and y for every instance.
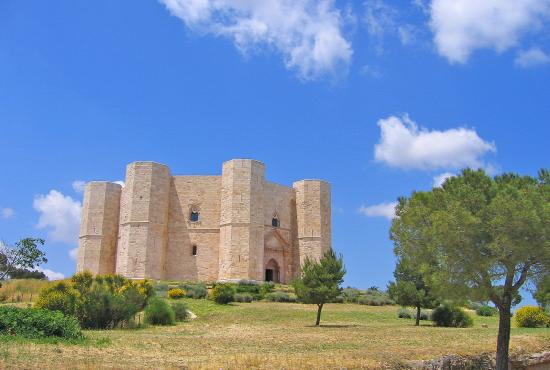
(379, 98)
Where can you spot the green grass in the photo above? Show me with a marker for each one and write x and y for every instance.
(269, 335)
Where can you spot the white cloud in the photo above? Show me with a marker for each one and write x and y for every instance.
(59, 214)
(120, 182)
(73, 253)
(51, 275)
(463, 26)
(79, 186)
(7, 212)
(440, 179)
(383, 20)
(307, 33)
(386, 210)
(405, 145)
(531, 58)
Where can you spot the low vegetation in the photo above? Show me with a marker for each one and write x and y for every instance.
(101, 302)
(451, 316)
(270, 335)
(159, 312)
(36, 323)
(532, 317)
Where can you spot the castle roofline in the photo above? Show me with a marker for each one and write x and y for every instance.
(245, 159)
(312, 180)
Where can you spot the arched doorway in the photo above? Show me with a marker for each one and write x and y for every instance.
(272, 272)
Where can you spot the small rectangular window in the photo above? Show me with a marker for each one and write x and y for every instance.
(194, 251)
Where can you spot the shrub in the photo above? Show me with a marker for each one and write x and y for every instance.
(280, 297)
(103, 302)
(267, 288)
(451, 316)
(37, 323)
(196, 291)
(425, 315)
(180, 311)
(249, 287)
(403, 313)
(223, 293)
(350, 295)
(176, 293)
(161, 287)
(61, 296)
(158, 312)
(486, 311)
(532, 317)
(243, 297)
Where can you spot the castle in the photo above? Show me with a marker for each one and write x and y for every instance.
(237, 226)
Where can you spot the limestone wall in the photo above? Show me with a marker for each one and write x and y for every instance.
(241, 220)
(144, 221)
(313, 215)
(99, 228)
(186, 193)
(234, 236)
(279, 200)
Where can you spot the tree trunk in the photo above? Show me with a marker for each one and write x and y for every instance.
(418, 315)
(320, 307)
(503, 341)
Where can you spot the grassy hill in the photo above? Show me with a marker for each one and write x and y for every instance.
(268, 335)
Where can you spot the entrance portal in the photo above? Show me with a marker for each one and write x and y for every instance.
(272, 271)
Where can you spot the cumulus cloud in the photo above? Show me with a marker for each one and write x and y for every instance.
(463, 26)
(404, 144)
(51, 275)
(307, 33)
(79, 186)
(440, 179)
(59, 214)
(6, 212)
(386, 210)
(531, 58)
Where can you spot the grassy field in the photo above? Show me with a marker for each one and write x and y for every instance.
(268, 335)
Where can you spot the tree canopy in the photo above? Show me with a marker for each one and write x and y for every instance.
(24, 256)
(320, 281)
(478, 238)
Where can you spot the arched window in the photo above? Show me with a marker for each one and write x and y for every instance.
(275, 221)
(194, 214)
(194, 250)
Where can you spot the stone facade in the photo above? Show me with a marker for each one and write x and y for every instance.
(237, 226)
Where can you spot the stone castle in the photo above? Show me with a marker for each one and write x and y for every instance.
(237, 226)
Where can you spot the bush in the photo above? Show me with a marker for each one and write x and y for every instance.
(223, 293)
(425, 315)
(403, 313)
(37, 323)
(161, 287)
(486, 311)
(195, 291)
(281, 297)
(267, 288)
(531, 317)
(451, 316)
(176, 293)
(243, 297)
(180, 311)
(103, 302)
(158, 312)
(350, 295)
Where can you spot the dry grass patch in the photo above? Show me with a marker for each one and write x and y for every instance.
(271, 335)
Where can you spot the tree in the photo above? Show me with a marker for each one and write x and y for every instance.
(320, 281)
(25, 254)
(542, 293)
(479, 238)
(409, 289)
